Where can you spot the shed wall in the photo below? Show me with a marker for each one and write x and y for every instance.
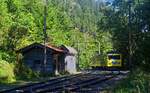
(35, 59)
(70, 61)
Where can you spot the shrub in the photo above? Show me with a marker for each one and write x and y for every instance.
(24, 72)
(137, 82)
(6, 72)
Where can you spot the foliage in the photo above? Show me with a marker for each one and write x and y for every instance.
(137, 82)
(26, 73)
(6, 72)
(116, 21)
(24, 25)
(78, 23)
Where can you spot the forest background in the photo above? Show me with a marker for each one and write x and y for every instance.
(104, 22)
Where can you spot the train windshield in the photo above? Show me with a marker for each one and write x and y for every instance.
(114, 56)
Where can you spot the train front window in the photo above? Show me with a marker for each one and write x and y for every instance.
(114, 57)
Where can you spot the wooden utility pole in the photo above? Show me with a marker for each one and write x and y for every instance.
(45, 34)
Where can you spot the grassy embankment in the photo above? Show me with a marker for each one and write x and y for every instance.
(136, 82)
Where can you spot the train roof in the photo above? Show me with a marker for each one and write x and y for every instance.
(113, 52)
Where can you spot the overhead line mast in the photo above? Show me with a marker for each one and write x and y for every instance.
(130, 37)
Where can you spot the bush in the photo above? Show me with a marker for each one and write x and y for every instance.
(6, 72)
(24, 72)
(137, 82)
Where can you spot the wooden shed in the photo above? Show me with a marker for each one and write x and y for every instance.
(33, 57)
(58, 59)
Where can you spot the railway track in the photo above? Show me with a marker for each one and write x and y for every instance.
(105, 85)
(76, 82)
(34, 86)
(73, 83)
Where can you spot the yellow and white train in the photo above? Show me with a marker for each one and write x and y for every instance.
(113, 60)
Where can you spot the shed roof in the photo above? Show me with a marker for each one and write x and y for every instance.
(69, 49)
(38, 45)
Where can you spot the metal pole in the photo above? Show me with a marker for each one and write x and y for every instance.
(78, 55)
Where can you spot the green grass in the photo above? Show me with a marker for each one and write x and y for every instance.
(137, 82)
